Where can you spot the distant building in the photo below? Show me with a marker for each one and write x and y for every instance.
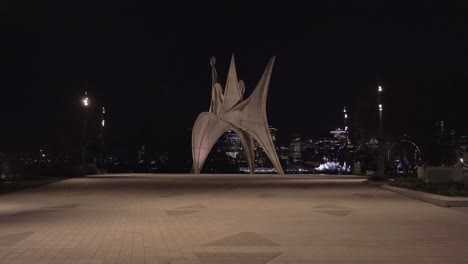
(339, 134)
(463, 143)
(141, 155)
(443, 135)
(226, 154)
(295, 150)
(445, 147)
(230, 145)
(327, 148)
(302, 151)
(283, 154)
(261, 159)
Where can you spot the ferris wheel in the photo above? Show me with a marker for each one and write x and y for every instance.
(405, 155)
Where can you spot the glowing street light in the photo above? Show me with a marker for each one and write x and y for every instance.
(381, 162)
(103, 121)
(85, 100)
(345, 117)
(346, 134)
(103, 124)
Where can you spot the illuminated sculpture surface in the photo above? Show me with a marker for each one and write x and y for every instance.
(230, 112)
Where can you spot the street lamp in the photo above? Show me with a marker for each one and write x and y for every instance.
(86, 102)
(103, 124)
(345, 120)
(381, 162)
(346, 124)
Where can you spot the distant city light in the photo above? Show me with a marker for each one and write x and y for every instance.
(462, 160)
(346, 116)
(380, 88)
(344, 109)
(346, 128)
(103, 123)
(380, 107)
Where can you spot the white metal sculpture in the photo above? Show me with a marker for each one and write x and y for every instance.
(230, 112)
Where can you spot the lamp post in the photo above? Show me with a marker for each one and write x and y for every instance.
(86, 102)
(381, 161)
(103, 124)
(345, 126)
(345, 121)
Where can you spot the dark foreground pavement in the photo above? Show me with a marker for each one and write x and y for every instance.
(217, 219)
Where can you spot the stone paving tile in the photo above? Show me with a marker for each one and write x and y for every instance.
(244, 239)
(193, 206)
(12, 239)
(144, 218)
(181, 212)
(364, 195)
(234, 257)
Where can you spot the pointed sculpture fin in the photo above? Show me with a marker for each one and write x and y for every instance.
(250, 116)
(232, 94)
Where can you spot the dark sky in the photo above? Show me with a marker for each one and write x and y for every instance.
(148, 64)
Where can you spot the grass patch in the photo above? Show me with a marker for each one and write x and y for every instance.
(446, 189)
(13, 186)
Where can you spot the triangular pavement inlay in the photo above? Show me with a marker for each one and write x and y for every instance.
(11, 239)
(193, 206)
(335, 212)
(329, 206)
(243, 239)
(180, 212)
(234, 257)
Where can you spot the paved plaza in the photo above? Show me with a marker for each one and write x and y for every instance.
(217, 219)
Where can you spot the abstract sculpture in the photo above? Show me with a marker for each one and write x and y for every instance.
(230, 112)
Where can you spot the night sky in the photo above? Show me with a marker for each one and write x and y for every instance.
(148, 65)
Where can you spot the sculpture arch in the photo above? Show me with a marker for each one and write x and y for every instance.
(229, 111)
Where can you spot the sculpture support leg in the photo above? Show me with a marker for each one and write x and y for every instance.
(206, 131)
